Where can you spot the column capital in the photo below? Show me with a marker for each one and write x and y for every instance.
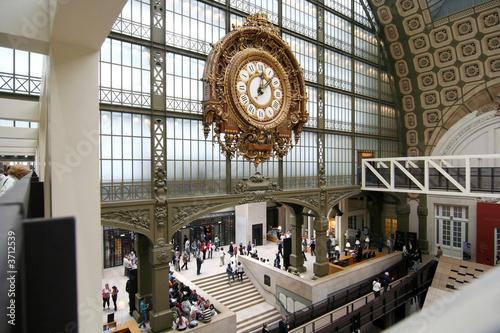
(403, 209)
(321, 224)
(160, 255)
(422, 210)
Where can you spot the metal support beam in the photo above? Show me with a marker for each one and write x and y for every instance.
(442, 175)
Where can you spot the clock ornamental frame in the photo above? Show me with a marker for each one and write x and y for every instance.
(254, 94)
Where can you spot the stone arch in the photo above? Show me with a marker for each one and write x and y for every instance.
(187, 212)
(335, 198)
(474, 134)
(137, 219)
(479, 98)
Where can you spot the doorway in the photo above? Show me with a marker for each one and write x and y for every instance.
(117, 244)
(257, 234)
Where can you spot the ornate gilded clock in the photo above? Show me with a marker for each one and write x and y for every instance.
(254, 92)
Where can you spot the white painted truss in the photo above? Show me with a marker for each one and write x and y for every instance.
(465, 175)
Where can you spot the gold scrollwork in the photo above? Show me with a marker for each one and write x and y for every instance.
(237, 130)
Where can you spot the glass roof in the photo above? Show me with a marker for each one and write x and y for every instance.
(443, 8)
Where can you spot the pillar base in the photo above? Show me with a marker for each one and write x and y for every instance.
(137, 316)
(297, 263)
(160, 321)
(321, 269)
(300, 269)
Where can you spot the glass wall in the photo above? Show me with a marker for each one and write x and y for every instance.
(125, 74)
(350, 101)
(20, 71)
(194, 165)
(125, 156)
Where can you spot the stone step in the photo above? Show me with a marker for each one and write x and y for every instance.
(245, 304)
(239, 296)
(209, 278)
(254, 324)
(233, 301)
(221, 282)
(235, 288)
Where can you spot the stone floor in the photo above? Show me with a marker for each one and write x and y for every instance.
(115, 276)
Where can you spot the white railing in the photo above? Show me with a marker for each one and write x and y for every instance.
(466, 175)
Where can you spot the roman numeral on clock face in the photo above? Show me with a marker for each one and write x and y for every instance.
(244, 99)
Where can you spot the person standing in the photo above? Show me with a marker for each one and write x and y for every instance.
(419, 252)
(389, 245)
(114, 295)
(329, 252)
(106, 292)
(386, 279)
(414, 259)
(283, 325)
(210, 249)
(216, 242)
(277, 261)
(229, 272)
(312, 246)
(380, 244)
(249, 247)
(177, 261)
(198, 247)
(204, 249)
(231, 249)
(439, 253)
(185, 259)
(199, 261)
(222, 255)
(193, 248)
(133, 258)
(280, 248)
(304, 249)
(376, 287)
(367, 242)
(143, 309)
(187, 247)
(240, 271)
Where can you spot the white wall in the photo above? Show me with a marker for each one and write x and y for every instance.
(246, 216)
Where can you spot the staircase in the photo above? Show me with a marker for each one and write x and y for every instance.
(243, 299)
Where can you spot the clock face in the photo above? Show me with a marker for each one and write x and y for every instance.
(260, 90)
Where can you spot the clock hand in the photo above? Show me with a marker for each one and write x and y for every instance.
(259, 89)
(265, 86)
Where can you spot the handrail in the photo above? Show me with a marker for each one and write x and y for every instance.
(276, 297)
(342, 297)
(353, 320)
(463, 175)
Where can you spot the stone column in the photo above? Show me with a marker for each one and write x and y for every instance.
(321, 266)
(71, 174)
(160, 317)
(403, 215)
(422, 212)
(144, 271)
(296, 257)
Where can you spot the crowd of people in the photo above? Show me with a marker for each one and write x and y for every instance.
(187, 306)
